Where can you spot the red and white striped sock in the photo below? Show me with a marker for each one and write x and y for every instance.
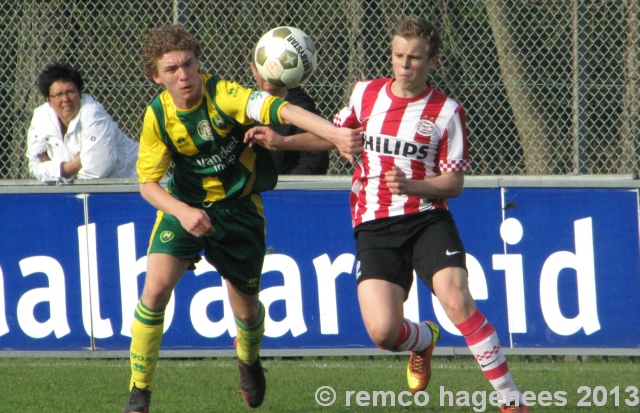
(483, 342)
(413, 337)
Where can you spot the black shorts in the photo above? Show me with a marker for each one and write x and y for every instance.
(391, 249)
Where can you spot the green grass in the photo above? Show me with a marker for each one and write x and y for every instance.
(211, 385)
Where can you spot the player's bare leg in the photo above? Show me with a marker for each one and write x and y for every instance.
(451, 286)
(382, 308)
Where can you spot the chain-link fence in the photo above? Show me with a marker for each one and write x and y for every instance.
(549, 87)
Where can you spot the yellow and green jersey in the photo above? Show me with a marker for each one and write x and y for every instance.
(205, 143)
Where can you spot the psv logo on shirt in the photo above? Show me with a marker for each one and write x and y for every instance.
(425, 127)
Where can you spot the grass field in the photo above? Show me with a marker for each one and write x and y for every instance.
(211, 385)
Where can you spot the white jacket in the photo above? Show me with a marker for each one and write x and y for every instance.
(105, 152)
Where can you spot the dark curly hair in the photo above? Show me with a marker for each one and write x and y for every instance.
(55, 72)
(164, 40)
(412, 26)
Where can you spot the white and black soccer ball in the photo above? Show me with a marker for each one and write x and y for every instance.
(285, 57)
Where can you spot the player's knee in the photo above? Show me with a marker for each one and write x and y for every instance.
(457, 308)
(383, 339)
(246, 316)
(156, 299)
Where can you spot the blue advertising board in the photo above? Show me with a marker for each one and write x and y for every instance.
(549, 267)
(579, 251)
(39, 273)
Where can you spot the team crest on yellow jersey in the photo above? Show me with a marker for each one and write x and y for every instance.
(205, 131)
(218, 122)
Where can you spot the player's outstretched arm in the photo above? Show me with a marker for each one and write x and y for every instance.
(194, 220)
(348, 141)
(268, 138)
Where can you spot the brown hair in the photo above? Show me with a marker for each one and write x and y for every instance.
(164, 40)
(412, 26)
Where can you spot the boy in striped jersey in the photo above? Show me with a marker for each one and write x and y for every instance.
(212, 201)
(414, 158)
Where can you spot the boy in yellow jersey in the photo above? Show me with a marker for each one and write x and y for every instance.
(212, 201)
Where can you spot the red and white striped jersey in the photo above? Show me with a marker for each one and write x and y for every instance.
(424, 136)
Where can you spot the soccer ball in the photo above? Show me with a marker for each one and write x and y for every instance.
(285, 57)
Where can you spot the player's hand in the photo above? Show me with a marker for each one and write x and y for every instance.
(195, 221)
(349, 142)
(397, 181)
(263, 136)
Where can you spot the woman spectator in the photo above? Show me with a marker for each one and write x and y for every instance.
(72, 135)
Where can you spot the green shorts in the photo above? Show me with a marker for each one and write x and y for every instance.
(236, 249)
